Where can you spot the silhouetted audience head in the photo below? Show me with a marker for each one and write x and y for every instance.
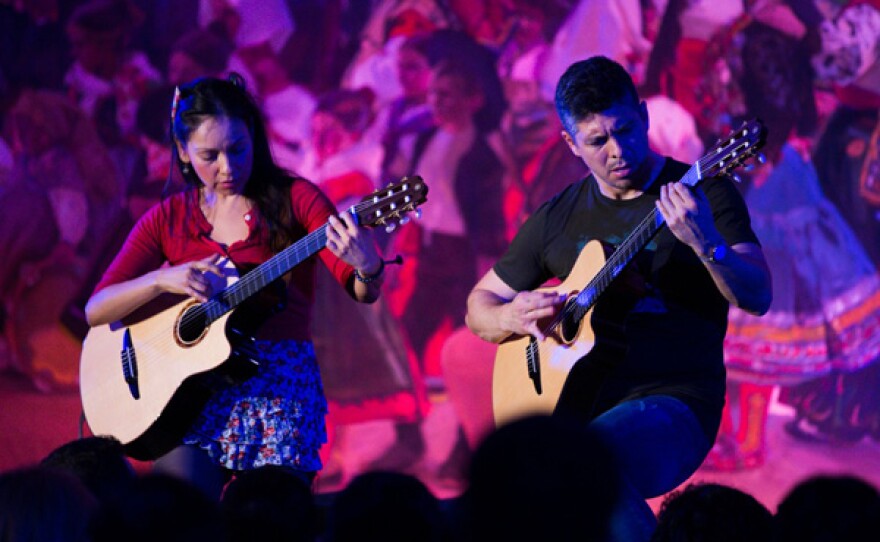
(160, 507)
(712, 513)
(540, 478)
(829, 508)
(270, 503)
(388, 506)
(99, 463)
(41, 504)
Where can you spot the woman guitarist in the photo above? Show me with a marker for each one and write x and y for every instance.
(238, 205)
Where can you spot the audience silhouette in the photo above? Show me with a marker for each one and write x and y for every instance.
(712, 512)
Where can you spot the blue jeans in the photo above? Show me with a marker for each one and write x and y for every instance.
(658, 443)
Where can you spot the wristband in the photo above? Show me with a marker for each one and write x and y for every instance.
(370, 278)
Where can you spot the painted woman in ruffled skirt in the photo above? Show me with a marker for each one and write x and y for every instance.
(824, 322)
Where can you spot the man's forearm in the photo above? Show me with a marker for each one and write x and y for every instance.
(484, 315)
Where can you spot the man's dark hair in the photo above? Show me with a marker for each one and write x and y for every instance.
(591, 86)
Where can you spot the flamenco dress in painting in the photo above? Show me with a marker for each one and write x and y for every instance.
(823, 326)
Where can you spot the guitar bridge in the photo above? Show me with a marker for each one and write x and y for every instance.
(533, 364)
(129, 365)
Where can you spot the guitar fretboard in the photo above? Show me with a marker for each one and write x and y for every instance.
(623, 254)
(270, 270)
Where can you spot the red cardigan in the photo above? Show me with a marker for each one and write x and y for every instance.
(176, 231)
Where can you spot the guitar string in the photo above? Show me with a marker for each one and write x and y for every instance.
(594, 289)
(250, 283)
(245, 284)
(197, 313)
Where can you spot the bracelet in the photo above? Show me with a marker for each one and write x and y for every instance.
(370, 278)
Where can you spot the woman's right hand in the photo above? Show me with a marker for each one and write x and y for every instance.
(189, 278)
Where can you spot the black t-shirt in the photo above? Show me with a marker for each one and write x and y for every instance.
(669, 330)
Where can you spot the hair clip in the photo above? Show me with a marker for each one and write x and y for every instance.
(174, 103)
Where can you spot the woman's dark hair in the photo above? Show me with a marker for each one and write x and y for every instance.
(269, 185)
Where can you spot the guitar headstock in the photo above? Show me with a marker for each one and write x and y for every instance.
(390, 205)
(732, 151)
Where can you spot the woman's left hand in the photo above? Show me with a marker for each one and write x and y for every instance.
(352, 244)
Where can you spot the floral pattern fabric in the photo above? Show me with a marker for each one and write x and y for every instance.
(274, 418)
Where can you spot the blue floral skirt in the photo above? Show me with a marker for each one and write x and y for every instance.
(274, 418)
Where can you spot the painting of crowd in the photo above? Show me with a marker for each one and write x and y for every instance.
(360, 94)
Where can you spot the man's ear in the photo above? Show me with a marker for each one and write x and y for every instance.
(569, 141)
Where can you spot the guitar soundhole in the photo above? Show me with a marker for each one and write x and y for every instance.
(570, 324)
(192, 325)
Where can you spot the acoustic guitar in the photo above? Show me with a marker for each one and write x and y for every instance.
(146, 378)
(529, 374)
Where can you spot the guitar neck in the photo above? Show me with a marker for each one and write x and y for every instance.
(627, 250)
(267, 272)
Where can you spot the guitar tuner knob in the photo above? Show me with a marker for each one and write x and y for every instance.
(762, 158)
(390, 227)
(404, 219)
(736, 177)
(418, 212)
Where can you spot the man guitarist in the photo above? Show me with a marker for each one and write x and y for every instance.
(652, 387)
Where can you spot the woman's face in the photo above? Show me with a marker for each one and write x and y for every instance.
(328, 135)
(450, 101)
(413, 72)
(221, 153)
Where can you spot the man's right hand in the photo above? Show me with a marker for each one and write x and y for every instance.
(522, 314)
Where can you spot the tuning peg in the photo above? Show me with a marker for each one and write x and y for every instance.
(736, 177)
(762, 158)
(390, 227)
(404, 219)
(418, 212)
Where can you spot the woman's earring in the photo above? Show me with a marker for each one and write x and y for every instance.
(185, 168)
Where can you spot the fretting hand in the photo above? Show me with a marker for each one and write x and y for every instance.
(352, 244)
(688, 215)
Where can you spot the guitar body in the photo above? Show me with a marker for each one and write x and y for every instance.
(144, 380)
(529, 375)
(514, 393)
(174, 378)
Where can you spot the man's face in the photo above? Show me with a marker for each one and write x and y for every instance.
(614, 144)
